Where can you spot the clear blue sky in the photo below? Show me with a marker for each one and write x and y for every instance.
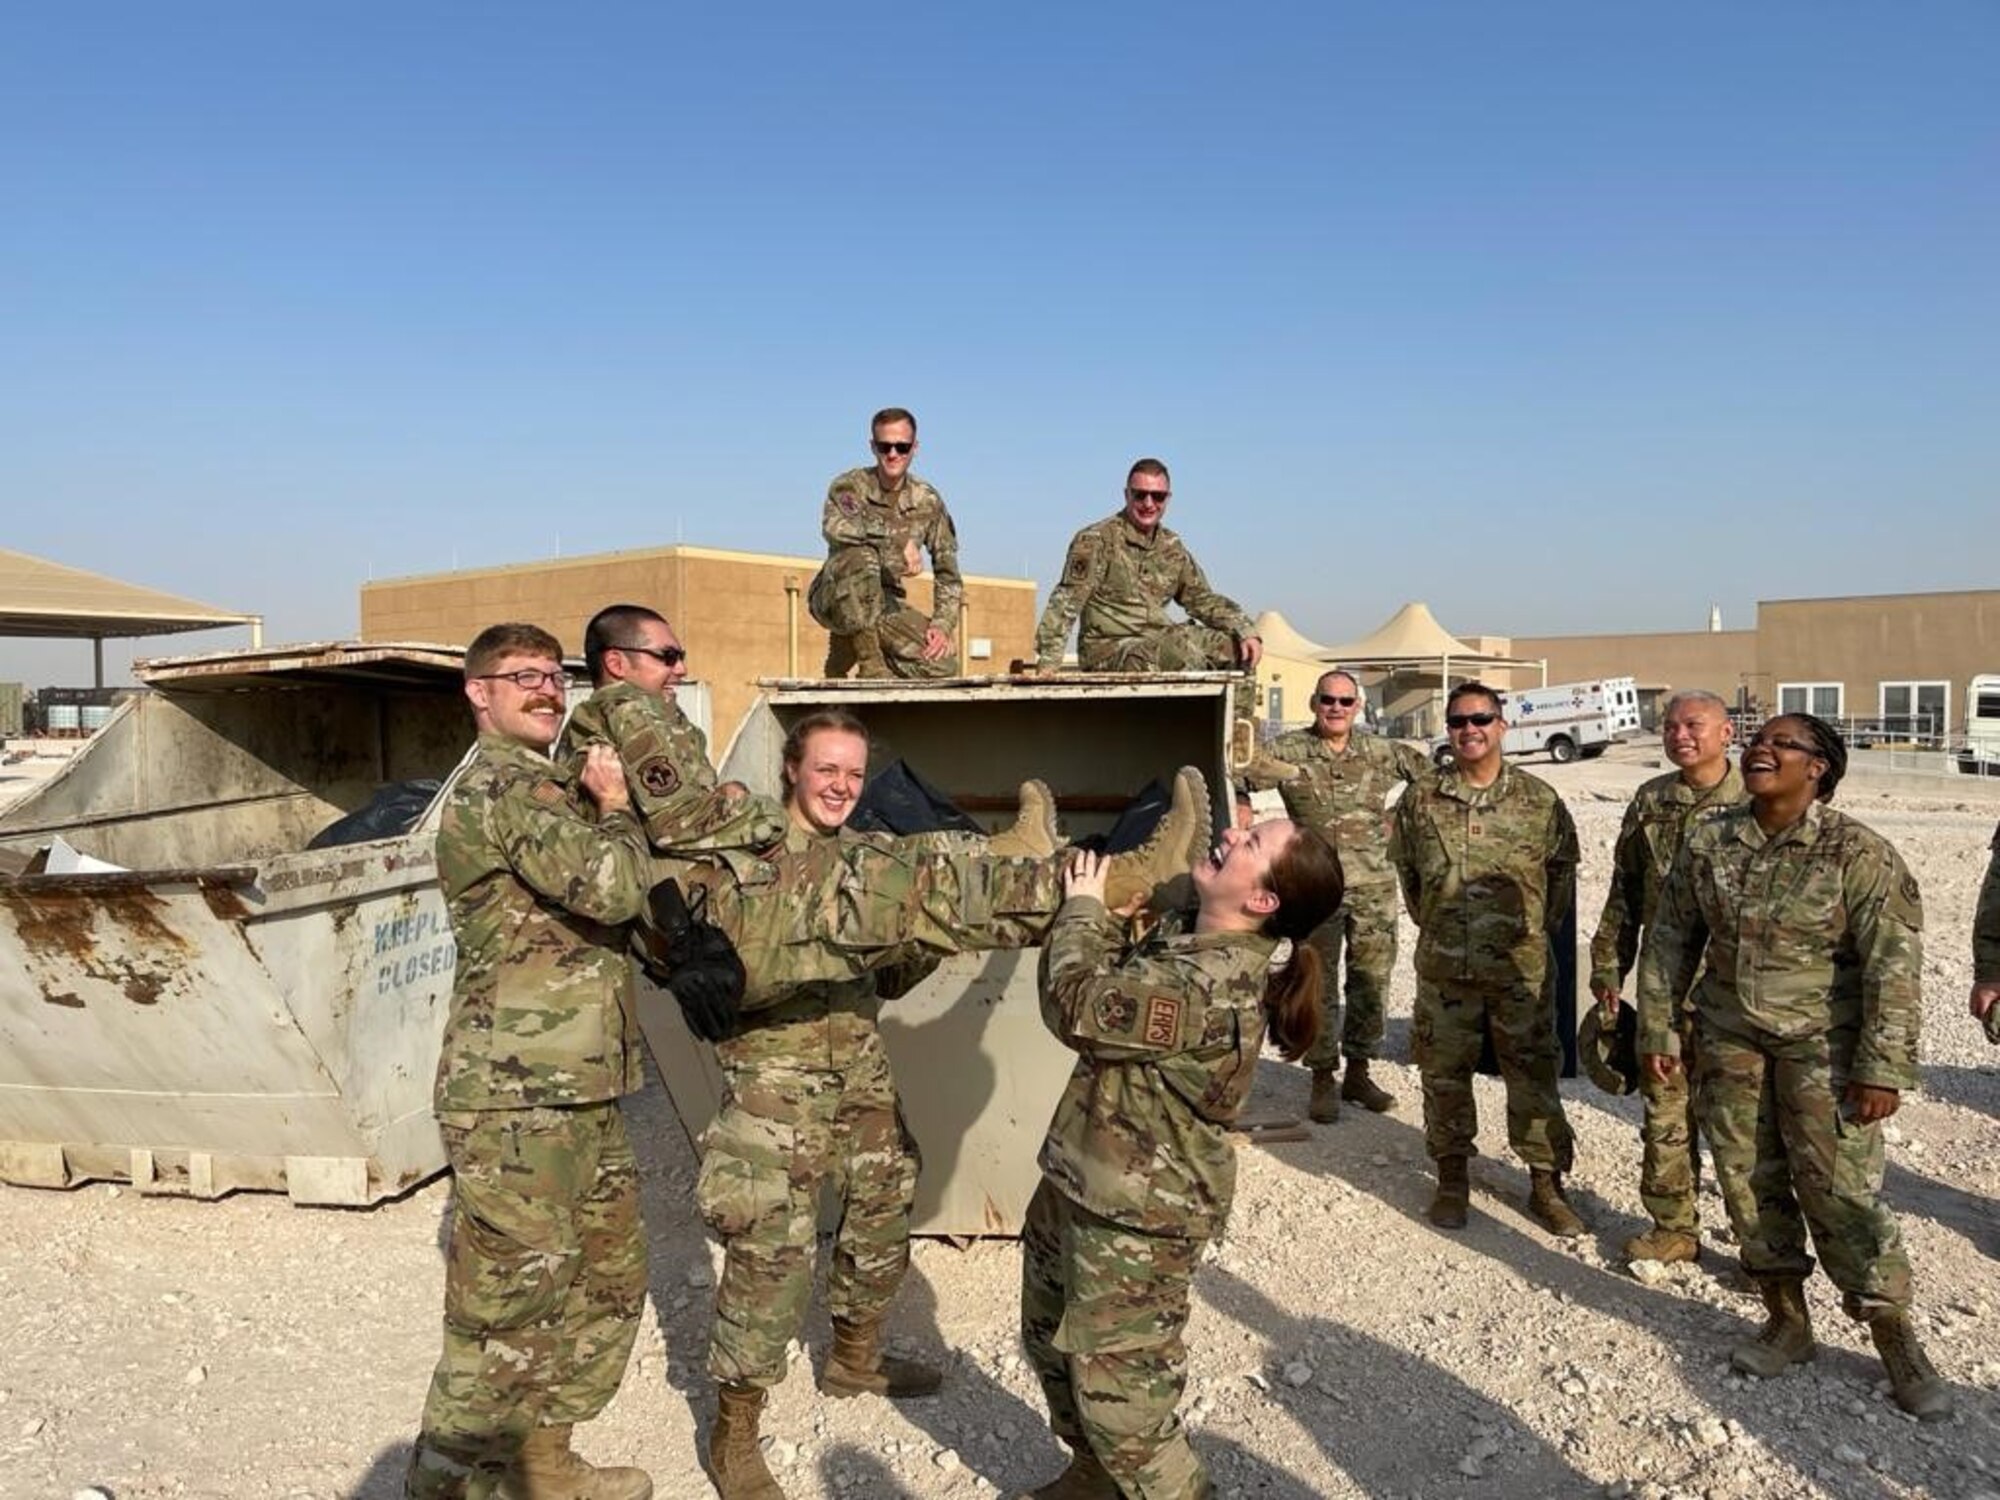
(1562, 316)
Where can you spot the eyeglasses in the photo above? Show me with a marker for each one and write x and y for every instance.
(1335, 700)
(666, 656)
(1783, 742)
(528, 679)
(1140, 497)
(1476, 721)
(885, 449)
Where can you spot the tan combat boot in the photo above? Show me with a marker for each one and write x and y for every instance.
(1786, 1338)
(1034, 834)
(1547, 1206)
(1324, 1106)
(1454, 1193)
(1171, 852)
(839, 655)
(858, 1367)
(1918, 1389)
(1358, 1088)
(1084, 1479)
(546, 1469)
(734, 1462)
(868, 657)
(1665, 1245)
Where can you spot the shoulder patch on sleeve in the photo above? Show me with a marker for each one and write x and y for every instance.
(1116, 1011)
(1163, 1020)
(1082, 552)
(549, 793)
(658, 776)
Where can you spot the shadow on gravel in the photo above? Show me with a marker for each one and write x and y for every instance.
(384, 1479)
(1379, 1413)
(865, 1474)
(1913, 1195)
(1976, 1089)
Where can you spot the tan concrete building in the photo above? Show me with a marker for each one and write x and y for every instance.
(1902, 659)
(742, 615)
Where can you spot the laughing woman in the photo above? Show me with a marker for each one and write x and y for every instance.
(1806, 1011)
(1137, 1169)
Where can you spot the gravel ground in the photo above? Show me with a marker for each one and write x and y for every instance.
(1341, 1345)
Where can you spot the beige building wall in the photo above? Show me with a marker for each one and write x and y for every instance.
(741, 615)
(1722, 661)
(1861, 643)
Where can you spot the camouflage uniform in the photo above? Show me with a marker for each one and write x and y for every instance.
(1488, 874)
(674, 788)
(546, 1269)
(1120, 580)
(808, 1096)
(1344, 795)
(1655, 825)
(861, 585)
(1138, 1173)
(1986, 935)
(1813, 948)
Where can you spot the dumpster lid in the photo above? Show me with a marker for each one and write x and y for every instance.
(378, 664)
(1064, 684)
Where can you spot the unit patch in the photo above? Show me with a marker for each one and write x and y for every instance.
(658, 776)
(1116, 1011)
(1163, 1021)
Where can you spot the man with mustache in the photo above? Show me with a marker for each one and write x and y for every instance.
(544, 868)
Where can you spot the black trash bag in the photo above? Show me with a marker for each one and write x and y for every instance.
(899, 801)
(393, 810)
(1135, 824)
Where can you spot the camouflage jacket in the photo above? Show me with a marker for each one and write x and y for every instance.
(825, 1028)
(539, 890)
(1655, 825)
(1345, 794)
(1167, 1035)
(1813, 929)
(674, 789)
(1488, 873)
(1120, 580)
(1986, 922)
(858, 514)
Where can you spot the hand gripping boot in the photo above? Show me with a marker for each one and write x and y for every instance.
(1786, 1338)
(547, 1469)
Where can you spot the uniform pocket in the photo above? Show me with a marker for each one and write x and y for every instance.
(746, 1172)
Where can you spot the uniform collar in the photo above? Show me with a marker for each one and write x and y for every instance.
(1132, 536)
(1729, 789)
(497, 746)
(1455, 787)
(1806, 831)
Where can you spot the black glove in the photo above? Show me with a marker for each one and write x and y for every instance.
(708, 991)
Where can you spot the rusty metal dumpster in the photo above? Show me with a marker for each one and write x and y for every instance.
(232, 1010)
(978, 1073)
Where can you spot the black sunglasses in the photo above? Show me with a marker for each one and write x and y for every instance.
(1335, 700)
(1158, 497)
(1477, 721)
(666, 656)
(885, 449)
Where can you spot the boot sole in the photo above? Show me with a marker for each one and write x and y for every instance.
(1811, 1354)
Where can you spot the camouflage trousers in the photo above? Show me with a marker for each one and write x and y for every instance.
(846, 907)
(1449, 1024)
(782, 1134)
(1670, 1164)
(545, 1276)
(1771, 1109)
(1103, 1314)
(1186, 647)
(1365, 927)
(849, 594)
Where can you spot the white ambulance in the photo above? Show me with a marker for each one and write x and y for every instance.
(1567, 719)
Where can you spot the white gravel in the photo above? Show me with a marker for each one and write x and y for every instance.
(1341, 1345)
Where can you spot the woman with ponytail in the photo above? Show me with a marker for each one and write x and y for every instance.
(1137, 1169)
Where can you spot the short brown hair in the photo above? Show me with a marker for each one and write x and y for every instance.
(513, 638)
(1474, 688)
(888, 416)
(1150, 466)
